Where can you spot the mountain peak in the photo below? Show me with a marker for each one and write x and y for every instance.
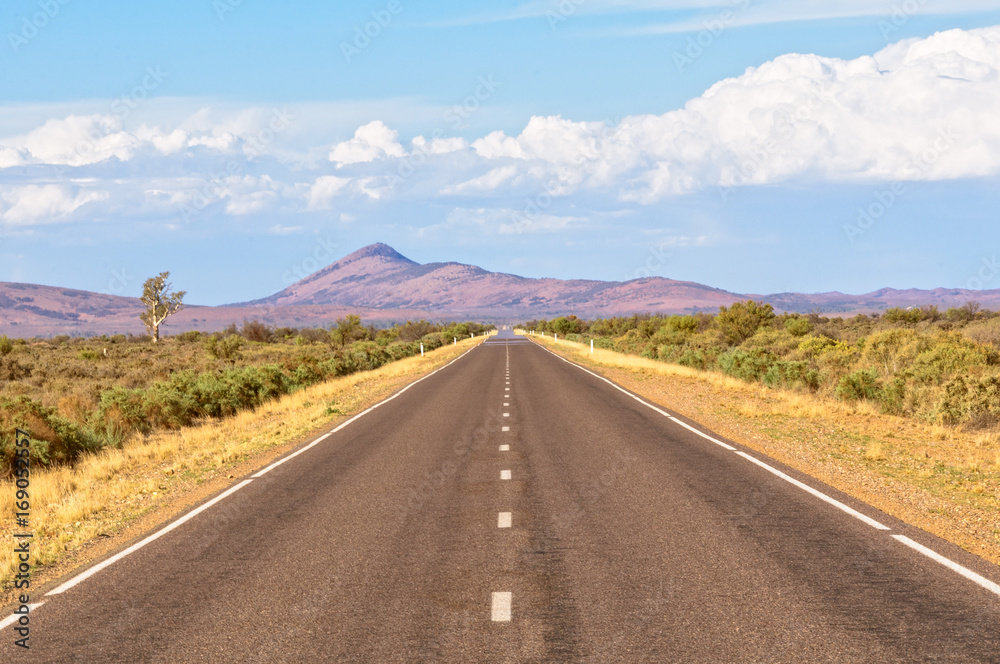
(377, 249)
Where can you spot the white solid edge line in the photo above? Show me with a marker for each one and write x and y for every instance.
(504, 520)
(190, 515)
(819, 494)
(500, 610)
(805, 487)
(612, 384)
(14, 617)
(505, 474)
(138, 545)
(703, 434)
(955, 567)
(265, 471)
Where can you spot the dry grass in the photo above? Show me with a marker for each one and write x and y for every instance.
(105, 492)
(943, 479)
(874, 452)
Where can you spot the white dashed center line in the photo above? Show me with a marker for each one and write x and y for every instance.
(505, 448)
(505, 429)
(504, 520)
(505, 474)
(506, 414)
(501, 607)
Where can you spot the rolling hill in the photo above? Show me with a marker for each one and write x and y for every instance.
(382, 285)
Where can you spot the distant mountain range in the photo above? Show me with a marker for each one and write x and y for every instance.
(382, 285)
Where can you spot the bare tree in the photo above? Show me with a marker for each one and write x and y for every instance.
(160, 303)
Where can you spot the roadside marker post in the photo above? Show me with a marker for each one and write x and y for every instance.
(591, 346)
(421, 350)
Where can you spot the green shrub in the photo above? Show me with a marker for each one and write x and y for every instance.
(949, 354)
(11, 369)
(6, 346)
(226, 348)
(121, 409)
(892, 397)
(859, 385)
(792, 374)
(897, 316)
(750, 365)
(742, 320)
(798, 327)
(969, 399)
(53, 438)
(694, 358)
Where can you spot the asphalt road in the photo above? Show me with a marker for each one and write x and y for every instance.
(630, 539)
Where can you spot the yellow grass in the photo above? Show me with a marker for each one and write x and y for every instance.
(104, 492)
(874, 452)
(943, 479)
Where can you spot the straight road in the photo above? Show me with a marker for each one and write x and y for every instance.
(515, 508)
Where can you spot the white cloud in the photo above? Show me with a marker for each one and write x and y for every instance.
(439, 145)
(929, 116)
(325, 189)
(922, 109)
(46, 204)
(372, 141)
(488, 182)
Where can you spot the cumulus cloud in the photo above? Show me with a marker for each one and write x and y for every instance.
(46, 204)
(325, 189)
(921, 109)
(372, 141)
(439, 145)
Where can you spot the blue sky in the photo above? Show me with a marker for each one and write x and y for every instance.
(758, 146)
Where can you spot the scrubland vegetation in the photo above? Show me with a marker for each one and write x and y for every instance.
(80, 395)
(938, 367)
